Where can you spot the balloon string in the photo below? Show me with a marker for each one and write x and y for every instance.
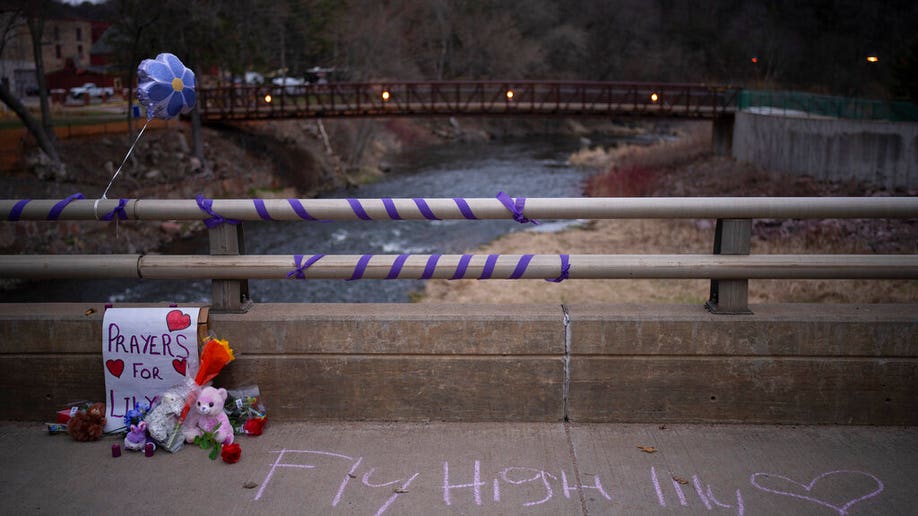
(126, 156)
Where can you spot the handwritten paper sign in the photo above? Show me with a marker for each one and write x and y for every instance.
(144, 352)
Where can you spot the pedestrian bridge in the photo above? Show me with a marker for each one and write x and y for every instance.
(467, 98)
(727, 361)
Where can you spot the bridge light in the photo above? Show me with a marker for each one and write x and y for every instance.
(509, 94)
(268, 98)
(872, 58)
(654, 97)
(385, 95)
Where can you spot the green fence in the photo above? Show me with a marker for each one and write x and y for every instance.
(807, 104)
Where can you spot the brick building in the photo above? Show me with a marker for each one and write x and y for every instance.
(66, 44)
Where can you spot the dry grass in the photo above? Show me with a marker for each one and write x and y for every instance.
(684, 167)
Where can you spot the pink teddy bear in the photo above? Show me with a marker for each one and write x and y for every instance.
(208, 415)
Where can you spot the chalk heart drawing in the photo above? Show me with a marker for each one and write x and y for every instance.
(176, 320)
(115, 367)
(179, 365)
(784, 486)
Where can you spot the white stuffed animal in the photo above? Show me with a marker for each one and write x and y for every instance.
(163, 418)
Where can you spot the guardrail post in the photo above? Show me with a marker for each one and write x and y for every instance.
(722, 135)
(732, 236)
(229, 296)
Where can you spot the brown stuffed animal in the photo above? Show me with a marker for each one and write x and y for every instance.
(87, 424)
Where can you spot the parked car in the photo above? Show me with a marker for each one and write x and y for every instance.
(289, 85)
(93, 91)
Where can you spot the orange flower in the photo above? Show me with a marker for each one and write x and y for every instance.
(215, 355)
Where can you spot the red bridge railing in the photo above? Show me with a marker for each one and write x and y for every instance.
(476, 98)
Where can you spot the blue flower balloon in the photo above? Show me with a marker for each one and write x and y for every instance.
(165, 86)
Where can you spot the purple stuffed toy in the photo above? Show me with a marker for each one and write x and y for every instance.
(136, 438)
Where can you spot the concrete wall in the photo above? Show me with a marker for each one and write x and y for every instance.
(850, 364)
(881, 153)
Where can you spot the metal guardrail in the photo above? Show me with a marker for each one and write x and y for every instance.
(462, 208)
(809, 104)
(443, 98)
(729, 267)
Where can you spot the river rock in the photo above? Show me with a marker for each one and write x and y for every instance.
(171, 227)
(181, 143)
(45, 168)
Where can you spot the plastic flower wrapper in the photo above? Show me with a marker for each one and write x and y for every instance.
(163, 419)
(165, 86)
(245, 410)
(215, 354)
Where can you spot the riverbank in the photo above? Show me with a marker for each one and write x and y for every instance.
(281, 159)
(686, 167)
(295, 158)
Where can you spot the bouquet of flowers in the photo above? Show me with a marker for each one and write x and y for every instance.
(246, 411)
(215, 354)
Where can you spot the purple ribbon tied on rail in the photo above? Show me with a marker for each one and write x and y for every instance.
(300, 271)
(565, 269)
(521, 266)
(118, 212)
(490, 263)
(358, 210)
(462, 267)
(261, 209)
(16, 212)
(361, 267)
(59, 207)
(431, 266)
(396, 268)
(464, 208)
(206, 205)
(515, 207)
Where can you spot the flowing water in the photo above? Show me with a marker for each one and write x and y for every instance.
(535, 167)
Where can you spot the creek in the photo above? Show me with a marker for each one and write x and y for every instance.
(533, 167)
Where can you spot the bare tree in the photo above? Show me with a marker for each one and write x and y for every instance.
(129, 37)
(32, 16)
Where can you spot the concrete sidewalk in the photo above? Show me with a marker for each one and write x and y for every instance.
(476, 468)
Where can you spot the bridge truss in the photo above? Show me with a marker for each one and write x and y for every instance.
(466, 98)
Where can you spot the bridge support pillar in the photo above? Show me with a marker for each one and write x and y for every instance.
(229, 296)
(722, 135)
(732, 236)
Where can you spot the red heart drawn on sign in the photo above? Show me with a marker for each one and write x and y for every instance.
(176, 320)
(115, 367)
(179, 366)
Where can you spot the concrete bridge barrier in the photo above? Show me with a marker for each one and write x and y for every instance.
(848, 364)
(876, 152)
